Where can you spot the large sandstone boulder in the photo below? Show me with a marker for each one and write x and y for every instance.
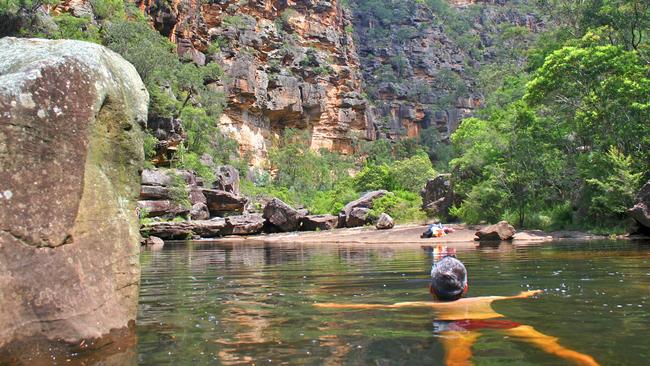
(641, 210)
(282, 216)
(70, 150)
(438, 196)
(501, 231)
(244, 224)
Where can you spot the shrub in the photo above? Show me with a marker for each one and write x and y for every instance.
(374, 177)
(402, 206)
(412, 174)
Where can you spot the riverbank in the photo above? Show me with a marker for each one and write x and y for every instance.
(404, 235)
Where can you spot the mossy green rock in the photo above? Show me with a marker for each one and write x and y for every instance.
(70, 150)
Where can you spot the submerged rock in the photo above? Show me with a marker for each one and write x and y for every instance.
(70, 150)
(319, 222)
(501, 231)
(385, 222)
(282, 216)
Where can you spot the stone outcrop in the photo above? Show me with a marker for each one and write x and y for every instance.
(70, 150)
(287, 64)
(500, 231)
(170, 193)
(385, 222)
(282, 217)
(319, 222)
(640, 212)
(438, 196)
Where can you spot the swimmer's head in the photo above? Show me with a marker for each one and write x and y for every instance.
(448, 279)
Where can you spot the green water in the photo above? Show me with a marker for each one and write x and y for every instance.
(207, 304)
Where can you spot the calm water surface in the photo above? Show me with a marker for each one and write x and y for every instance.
(218, 303)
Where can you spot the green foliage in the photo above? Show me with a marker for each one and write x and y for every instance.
(333, 200)
(615, 184)
(374, 177)
(179, 191)
(108, 9)
(411, 174)
(76, 28)
(189, 160)
(402, 206)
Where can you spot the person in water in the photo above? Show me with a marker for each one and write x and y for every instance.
(459, 320)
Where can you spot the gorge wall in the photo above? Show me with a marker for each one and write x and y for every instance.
(288, 64)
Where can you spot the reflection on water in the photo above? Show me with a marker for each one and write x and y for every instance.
(220, 303)
(240, 304)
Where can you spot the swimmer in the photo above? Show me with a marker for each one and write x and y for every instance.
(458, 319)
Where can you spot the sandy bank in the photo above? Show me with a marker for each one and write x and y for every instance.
(405, 235)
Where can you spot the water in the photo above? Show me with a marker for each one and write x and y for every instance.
(217, 303)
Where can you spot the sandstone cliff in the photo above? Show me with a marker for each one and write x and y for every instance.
(420, 64)
(288, 64)
(70, 150)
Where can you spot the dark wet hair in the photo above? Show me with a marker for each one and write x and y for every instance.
(448, 279)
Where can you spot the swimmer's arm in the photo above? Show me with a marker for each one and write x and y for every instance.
(422, 304)
(521, 295)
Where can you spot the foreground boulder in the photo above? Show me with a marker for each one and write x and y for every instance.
(319, 222)
(281, 216)
(364, 201)
(70, 151)
(385, 222)
(641, 209)
(501, 231)
(438, 196)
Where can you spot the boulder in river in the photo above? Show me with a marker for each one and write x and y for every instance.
(71, 114)
(500, 231)
(282, 216)
(385, 222)
(641, 209)
(319, 222)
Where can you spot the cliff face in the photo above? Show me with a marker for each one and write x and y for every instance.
(420, 67)
(288, 64)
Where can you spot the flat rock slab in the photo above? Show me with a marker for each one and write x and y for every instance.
(222, 202)
(244, 225)
(319, 222)
(180, 230)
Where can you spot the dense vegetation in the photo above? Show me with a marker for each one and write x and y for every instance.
(563, 140)
(566, 141)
